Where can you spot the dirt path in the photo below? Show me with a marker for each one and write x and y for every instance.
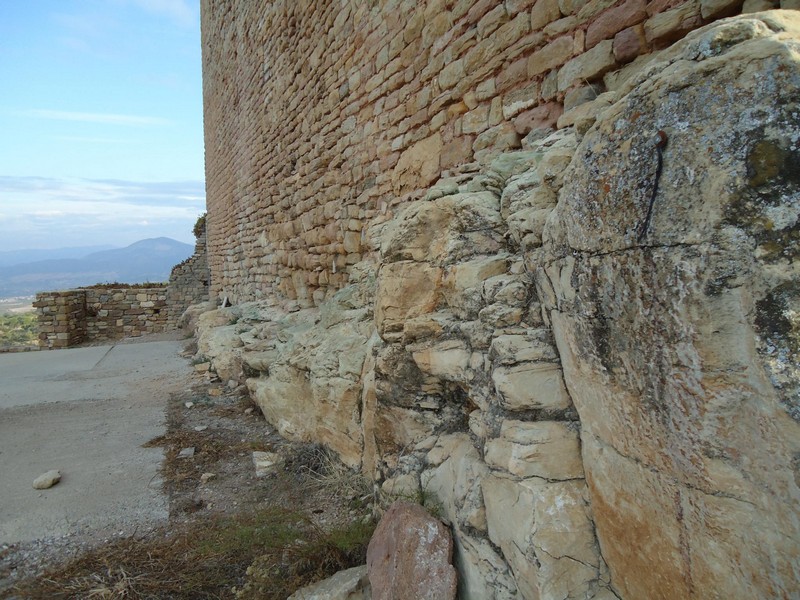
(86, 412)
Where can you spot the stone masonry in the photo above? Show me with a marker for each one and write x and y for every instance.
(323, 117)
(71, 317)
(62, 318)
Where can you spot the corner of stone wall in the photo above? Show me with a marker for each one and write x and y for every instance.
(61, 318)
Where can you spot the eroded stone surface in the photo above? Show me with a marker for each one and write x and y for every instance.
(678, 338)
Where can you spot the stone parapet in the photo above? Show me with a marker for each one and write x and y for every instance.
(62, 318)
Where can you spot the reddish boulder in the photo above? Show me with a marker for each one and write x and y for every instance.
(409, 556)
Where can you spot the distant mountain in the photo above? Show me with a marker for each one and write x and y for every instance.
(142, 262)
(18, 257)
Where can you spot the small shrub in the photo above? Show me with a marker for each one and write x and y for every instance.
(317, 554)
(200, 225)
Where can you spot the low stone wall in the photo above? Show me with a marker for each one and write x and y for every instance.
(114, 313)
(68, 318)
(71, 317)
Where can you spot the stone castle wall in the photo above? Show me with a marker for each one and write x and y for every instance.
(322, 116)
(580, 342)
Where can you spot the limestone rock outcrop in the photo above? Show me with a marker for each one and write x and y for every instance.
(679, 337)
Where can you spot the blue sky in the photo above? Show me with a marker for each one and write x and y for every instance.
(100, 121)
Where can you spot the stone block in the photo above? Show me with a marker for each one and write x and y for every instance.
(543, 116)
(546, 534)
(543, 13)
(485, 90)
(512, 75)
(673, 24)
(571, 7)
(754, 6)
(501, 137)
(580, 95)
(614, 20)
(529, 386)
(714, 9)
(476, 120)
(457, 152)
(584, 116)
(492, 20)
(515, 6)
(630, 43)
(418, 166)
(552, 55)
(588, 66)
(405, 289)
(547, 449)
(512, 32)
(447, 360)
(452, 74)
(512, 349)
(515, 101)
(352, 241)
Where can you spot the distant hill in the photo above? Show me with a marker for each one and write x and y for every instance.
(142, 262)
(18, 257)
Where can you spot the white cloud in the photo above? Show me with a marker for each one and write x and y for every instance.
(105, 118)
(47, 213)
(89, 140)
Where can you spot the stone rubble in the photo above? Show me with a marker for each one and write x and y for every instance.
(47, 480)
(351, 584)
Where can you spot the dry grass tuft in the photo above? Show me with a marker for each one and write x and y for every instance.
(267, 554)
(321, 470)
